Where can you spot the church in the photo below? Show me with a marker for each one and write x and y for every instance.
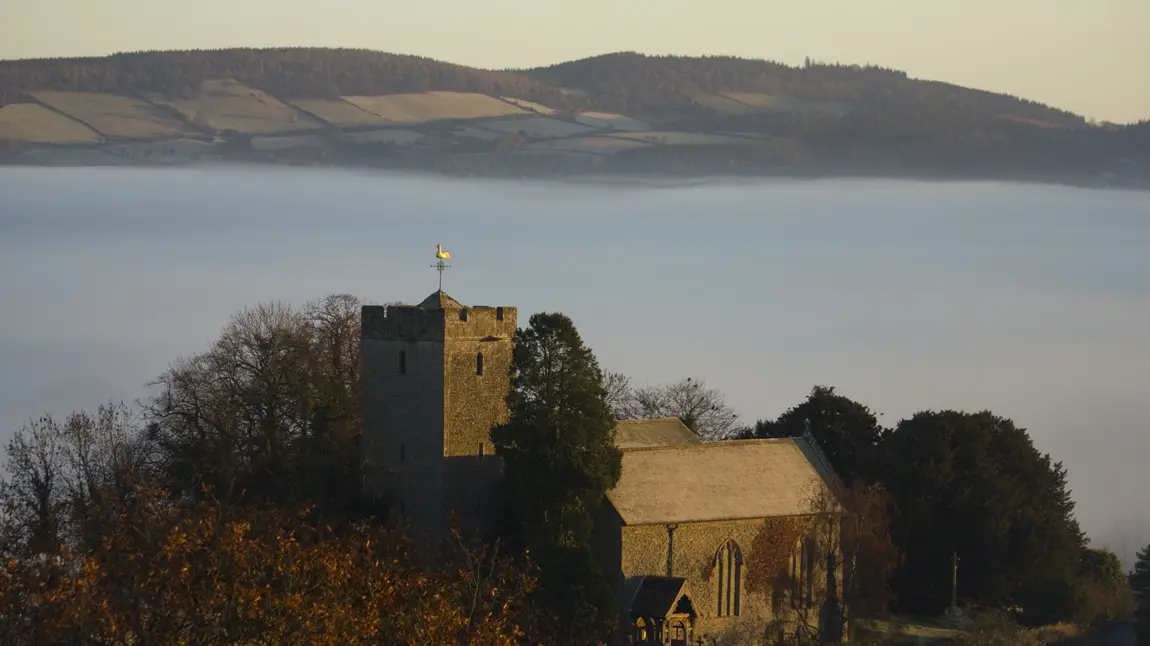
(684, 536)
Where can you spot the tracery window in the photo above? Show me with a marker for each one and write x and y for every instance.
(728, 579)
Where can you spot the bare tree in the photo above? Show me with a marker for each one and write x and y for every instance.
(33, 495)
(620, 395)
(703, 410)
(271, 409)
(60, 475)
(841, 554)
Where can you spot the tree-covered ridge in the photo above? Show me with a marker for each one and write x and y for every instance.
(639, 83)
(628, 82)
(290, 72)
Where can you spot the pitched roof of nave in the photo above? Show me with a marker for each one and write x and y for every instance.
(726, 480)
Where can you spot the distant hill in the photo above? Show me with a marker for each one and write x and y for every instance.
(621, 112)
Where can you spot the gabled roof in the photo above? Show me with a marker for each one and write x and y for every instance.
(659, 596)
(719, 481)
(439, 300)
(667, 431)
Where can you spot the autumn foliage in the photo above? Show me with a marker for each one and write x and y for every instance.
(178, 572)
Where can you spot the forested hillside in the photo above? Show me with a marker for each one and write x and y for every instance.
(627, 82)
(616, 113)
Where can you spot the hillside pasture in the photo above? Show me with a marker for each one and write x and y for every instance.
(36, 124)
(539, 127)
(611, 121)
(530, 106)
(338, 112)
(724, 105)
(473, 132)
(772, 103)
(116, 116)
(435, 106)
(385, 136)
(226, 104)
(591, 145)
(672, 138)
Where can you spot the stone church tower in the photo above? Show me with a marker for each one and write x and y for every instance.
(434, 381)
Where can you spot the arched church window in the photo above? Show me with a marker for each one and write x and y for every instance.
(479, 364)
(728, 579)
(499, 314)
(803, 566)
(402, 362)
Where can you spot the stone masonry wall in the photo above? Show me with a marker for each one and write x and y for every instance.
(402, 427)
(424, 426)
(473, 404)
(644, 552)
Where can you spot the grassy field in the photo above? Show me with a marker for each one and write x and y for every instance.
(435, 106)
(339, 112)
(530, 105)
(772, 103)
(226, 104)
(539, 127)
(37, 124)
(472, 132)
(116, 116)
(608, 120)
(724, 105)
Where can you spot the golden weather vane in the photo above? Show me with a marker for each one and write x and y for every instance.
(442, 254)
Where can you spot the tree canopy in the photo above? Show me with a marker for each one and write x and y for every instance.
(973, 484)
(560, 460)
(847, 432)
(702, 409)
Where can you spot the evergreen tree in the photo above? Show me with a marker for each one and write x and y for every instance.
(1140, 577)
(1142, 626)
(560, 459)
(974, 484)
(846, 431)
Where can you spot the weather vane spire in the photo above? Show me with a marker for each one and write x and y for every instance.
(442, 254)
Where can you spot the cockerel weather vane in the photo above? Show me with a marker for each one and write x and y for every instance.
(442, 254)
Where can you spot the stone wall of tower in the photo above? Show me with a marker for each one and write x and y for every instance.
(427, 414)
(473, 404)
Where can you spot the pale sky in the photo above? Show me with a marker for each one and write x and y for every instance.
(1088, 56)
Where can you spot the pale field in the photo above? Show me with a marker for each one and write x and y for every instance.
(399, 137)
(772, 103)
(671, 138)
(434, 106)
(37, 124)
(225, 104)
(596, 145)
(339, 112)
(611, 121)
(271, 144)
(116, 116)
(723, 105)
(539, 127)
(473, 132)
(531, 105)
